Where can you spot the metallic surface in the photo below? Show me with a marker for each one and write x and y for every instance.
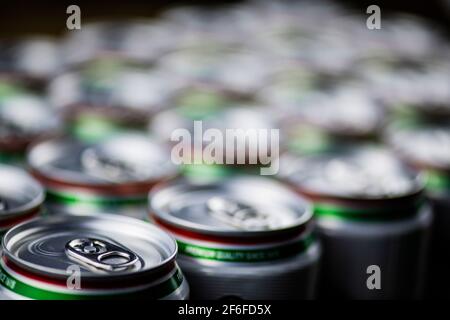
(119, 250)
(245, 238)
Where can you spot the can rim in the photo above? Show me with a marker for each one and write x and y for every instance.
(28, 207)
(102, 187)
(414, 126)
(169, 221)
(416, 190)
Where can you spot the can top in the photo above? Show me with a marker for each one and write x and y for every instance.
(112, 83)
(34, 57)
(38, 56)
(216, 110)
(102, 246)
(346, 111)
(243, 206)
(201, 59)
(122, 158)
(19, 192)
(425, 145)
(25, 115)
(121, 39)
(360, 173)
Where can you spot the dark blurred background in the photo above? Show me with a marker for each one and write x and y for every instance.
(26, 17)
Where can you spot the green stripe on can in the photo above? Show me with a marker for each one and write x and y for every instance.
(244, 255)
(92, 128)
(72, 199)
(367, 215)
(12, 158)
(23, 289)
(437, 181)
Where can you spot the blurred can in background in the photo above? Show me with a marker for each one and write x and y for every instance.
(225, 65)
(21, 197)
(33, 60)
(115, 174)
(329, 120)
(426, 146)
(289, 85)
(109, 95)
(243, 238)
(25, 117)
(198, 109)
(120, 41)
(113, 258)
(371, 212)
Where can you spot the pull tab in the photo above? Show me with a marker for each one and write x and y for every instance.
(3, 205)
(101, 254)
(103, 166)
(239, 215)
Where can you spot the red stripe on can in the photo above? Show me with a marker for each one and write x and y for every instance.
(232, 240)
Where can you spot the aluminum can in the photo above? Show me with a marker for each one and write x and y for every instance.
(244, 238)
(25, 117)
(371, 218)
(339, 117)
(115, 174)
(21, 197)
(427, 147)
(33, 60)
(230, 67)
(198, 109)
(90, 257)
(119, 40)
(109, 95)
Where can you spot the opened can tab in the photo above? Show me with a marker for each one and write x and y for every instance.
(101, 254)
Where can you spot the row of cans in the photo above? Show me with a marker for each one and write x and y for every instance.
(335, 89)
(328, 218)
(298, 61)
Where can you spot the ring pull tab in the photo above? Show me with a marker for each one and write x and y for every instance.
(101, 254)
(99, 164)
(239, 215)
(3, 205)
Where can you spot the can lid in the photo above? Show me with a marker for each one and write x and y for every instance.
(144, 159)
(19, 192)
(346, 111)
(360, 173)
(237, 207)
(38, 56)
(127, 90)
(25, 115)
(101, 245)
(120, 159)
(427, 145)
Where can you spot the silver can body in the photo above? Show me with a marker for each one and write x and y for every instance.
(287, 279)
(182, 293)
(425, 145)
(372, 219)
(438, 283)
(234, 244)
(398, 248)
